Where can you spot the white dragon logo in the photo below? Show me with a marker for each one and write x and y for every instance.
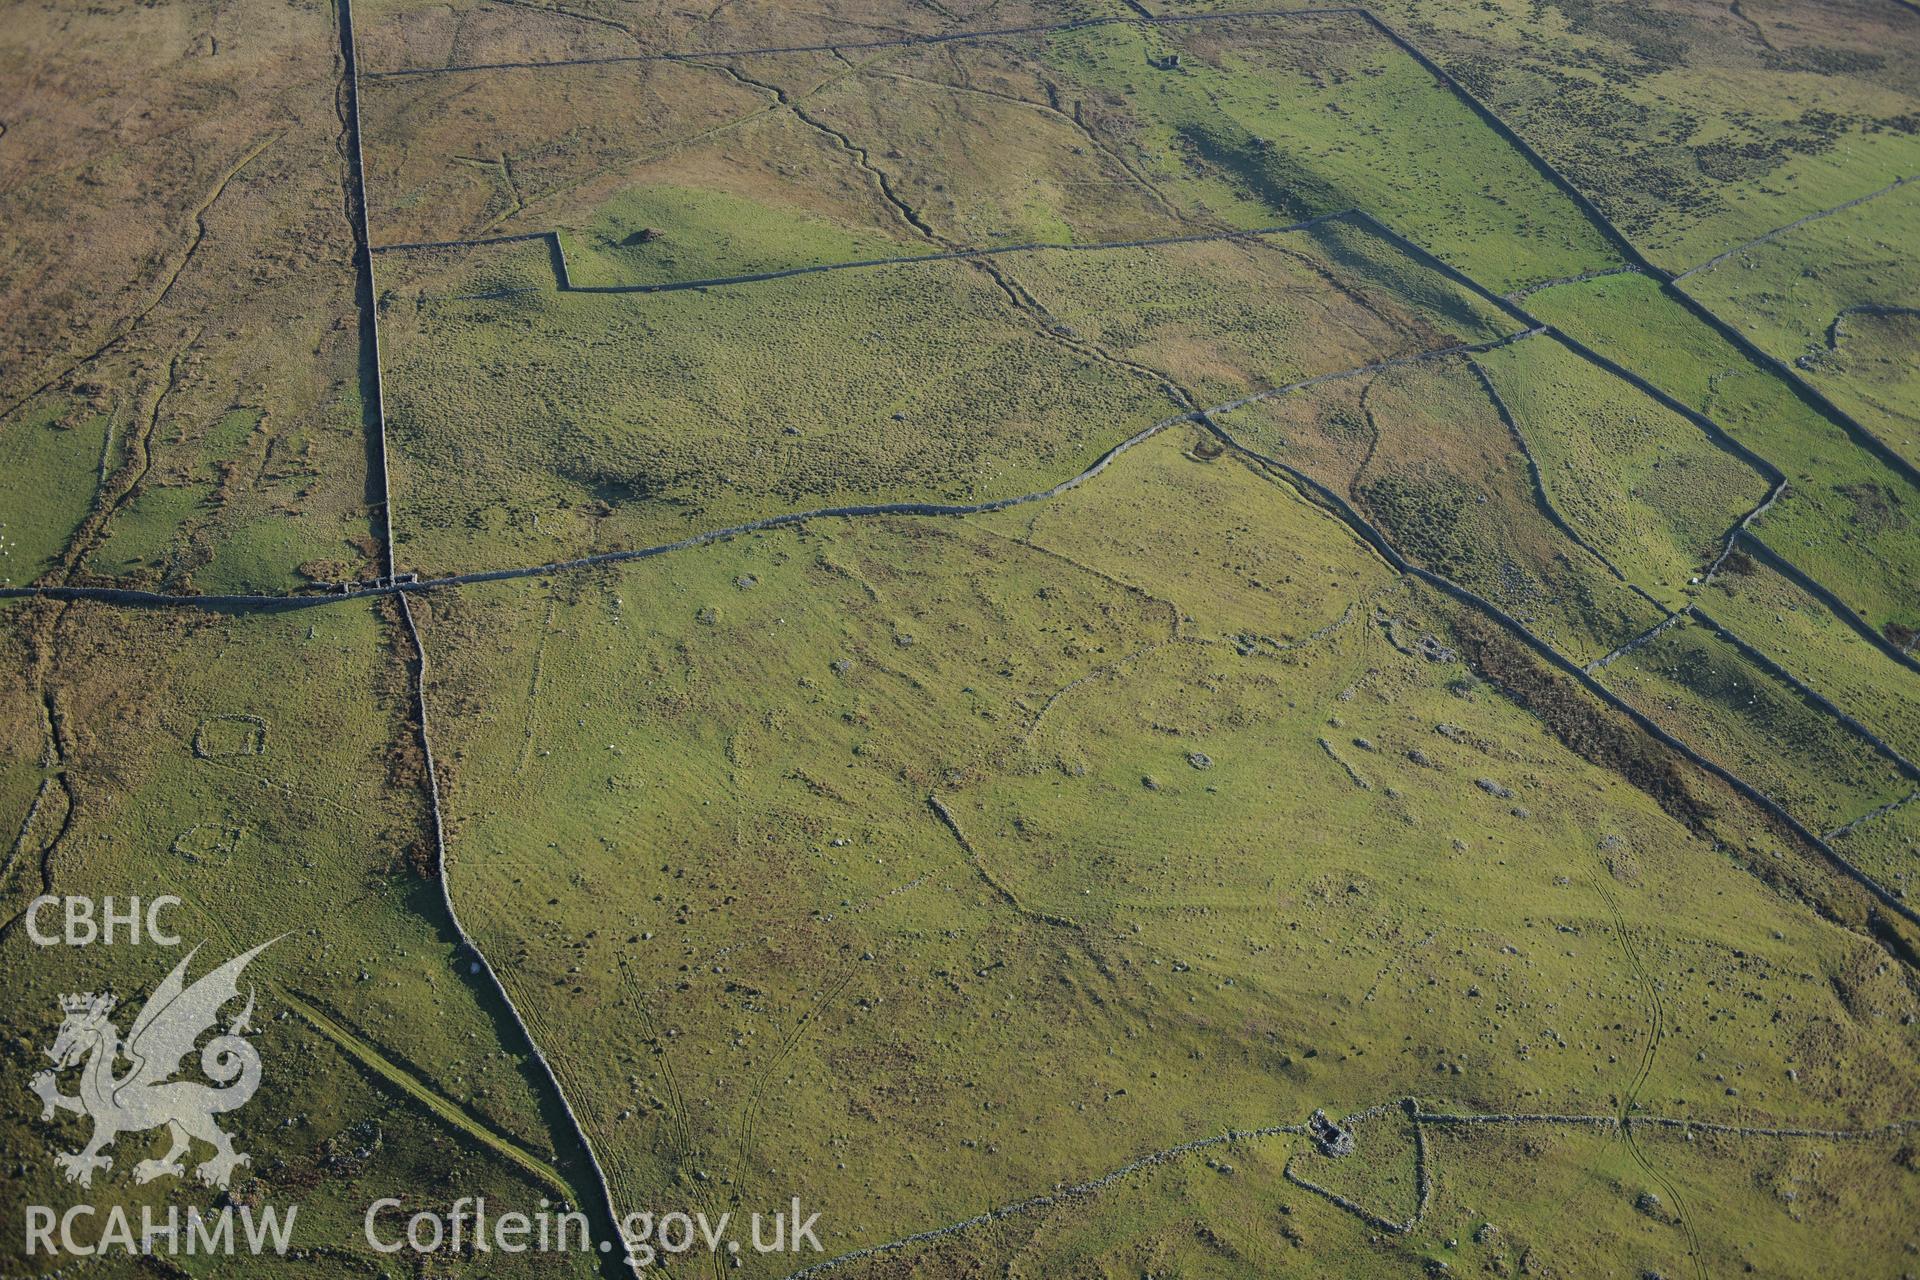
(145, 1096)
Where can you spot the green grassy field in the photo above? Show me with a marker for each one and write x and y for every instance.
(630, 421)
(1579, 1191)
(1009, 887)
(690, 803)
(279, 806)
(1238, 584)
(1836, 299)
(1844, 519)
(661, 233)
(50, 459)
(1223, 319)
(1803, 636)
(182, 274)
(1084, 135)
(1694, 127)
(1309, 116)
(1423, 452)
(1647, 487)
(1701, 689)
(540, 425)
(1887, 847)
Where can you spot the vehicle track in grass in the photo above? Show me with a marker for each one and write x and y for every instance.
(676, 1119)
(1629, 1099)
(747, 1141)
